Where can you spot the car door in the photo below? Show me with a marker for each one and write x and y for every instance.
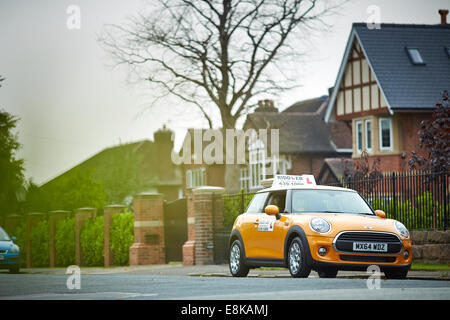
(249, 223)
(270, 233)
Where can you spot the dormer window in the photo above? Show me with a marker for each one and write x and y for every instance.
(415, 56)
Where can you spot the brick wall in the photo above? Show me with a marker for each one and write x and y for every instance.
(307, 164)
(199, 249)
(148, 246)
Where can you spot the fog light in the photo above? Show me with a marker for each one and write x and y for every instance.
(406, 254)
(322, 251)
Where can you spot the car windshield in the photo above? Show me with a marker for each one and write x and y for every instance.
(329, 201)
(3, 235)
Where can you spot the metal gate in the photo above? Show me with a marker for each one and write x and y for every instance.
(221, 235)
(175, 229)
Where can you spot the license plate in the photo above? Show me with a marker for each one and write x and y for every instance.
(370, 246)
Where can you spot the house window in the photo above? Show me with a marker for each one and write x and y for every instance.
(368, 126)
(414, 56)
(195, 177)
(385, 127)
(359, 136)
(244, 179)
(256, 168)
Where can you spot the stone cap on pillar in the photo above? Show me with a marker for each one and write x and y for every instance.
(36, 214)
(144, 195)
(208, 190)
(85, 209)
(59, 212)
(14, 216)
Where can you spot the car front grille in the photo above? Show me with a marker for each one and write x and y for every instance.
(347, 257)
(344, 241)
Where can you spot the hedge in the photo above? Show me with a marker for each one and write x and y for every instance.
(39, 238)
(121, 237)
(65, 242)
(92, 242)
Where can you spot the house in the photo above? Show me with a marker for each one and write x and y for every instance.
(333, 171)
(389, 81)
(305, 141)
(132, 168)
(195, 172)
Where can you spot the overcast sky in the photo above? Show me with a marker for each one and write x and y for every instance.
(71, 104)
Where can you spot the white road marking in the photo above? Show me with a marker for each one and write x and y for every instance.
(80, 296)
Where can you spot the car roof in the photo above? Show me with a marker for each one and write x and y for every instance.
(315, 187)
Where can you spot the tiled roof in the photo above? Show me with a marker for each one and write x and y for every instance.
(405, 85)
(303, 132)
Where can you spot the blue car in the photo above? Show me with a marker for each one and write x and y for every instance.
(9, 253)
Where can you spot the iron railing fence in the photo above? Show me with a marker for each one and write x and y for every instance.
(418, 199)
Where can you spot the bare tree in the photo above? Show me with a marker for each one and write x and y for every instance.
(216, 54)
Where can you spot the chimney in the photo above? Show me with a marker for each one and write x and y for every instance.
(163, 145)
(443, 14)
(266, 105)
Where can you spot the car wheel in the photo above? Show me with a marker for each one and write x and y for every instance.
(396, 274)
(327, 272)
(297, 259)
(237, 266)
(14, 269)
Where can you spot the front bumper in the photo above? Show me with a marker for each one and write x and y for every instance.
(9, 260)
(355, 261)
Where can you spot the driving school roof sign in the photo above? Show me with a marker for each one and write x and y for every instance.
(293, 181)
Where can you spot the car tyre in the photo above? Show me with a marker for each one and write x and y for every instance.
(396, 274)
(236, 264)
(297, 264)
(327, 272)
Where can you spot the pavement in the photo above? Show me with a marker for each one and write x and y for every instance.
(220, 271)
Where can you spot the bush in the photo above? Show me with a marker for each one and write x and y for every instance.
(65, 242)
(415, 216)
(232, 208)
(122, 237)
(92, 242)
(39, 238)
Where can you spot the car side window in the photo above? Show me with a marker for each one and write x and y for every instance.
(279, 199)
(257, 203)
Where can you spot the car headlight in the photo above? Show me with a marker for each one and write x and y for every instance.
(13, 249)
(401, 229)
(319, 225)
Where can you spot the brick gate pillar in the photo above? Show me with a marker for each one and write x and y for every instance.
(206, 208)
(189, 245)
(81, 215)
(53, 217)
(148, 246)
(109, 212)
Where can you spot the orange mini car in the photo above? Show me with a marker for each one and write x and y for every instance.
(303, 226)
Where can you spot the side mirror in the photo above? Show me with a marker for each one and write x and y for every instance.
(272, 210)
(380, 213)
(13, 239)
